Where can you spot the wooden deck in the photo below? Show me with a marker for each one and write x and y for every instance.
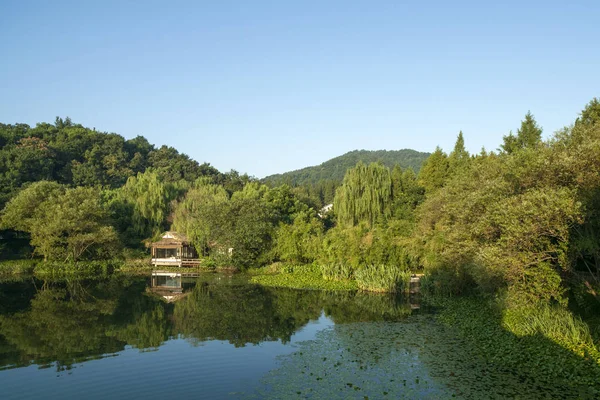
(176, 262)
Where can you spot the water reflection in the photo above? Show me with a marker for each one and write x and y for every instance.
(170, 285)
(65, 321)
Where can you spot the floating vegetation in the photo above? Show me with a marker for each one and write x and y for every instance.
(357, 361)
(540, 352)
(415, 359)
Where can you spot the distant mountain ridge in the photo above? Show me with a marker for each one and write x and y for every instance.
(336, 168)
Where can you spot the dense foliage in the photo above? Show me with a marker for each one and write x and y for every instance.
(68, 189)
(522, 221)
(520, 226)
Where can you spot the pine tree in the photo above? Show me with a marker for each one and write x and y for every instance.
(529, 135)
(459, 156)
(434, 172)
(590, 114)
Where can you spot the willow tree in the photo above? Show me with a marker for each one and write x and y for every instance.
(150, 199)
(365, 195)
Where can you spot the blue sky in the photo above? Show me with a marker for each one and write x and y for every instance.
(266, 87)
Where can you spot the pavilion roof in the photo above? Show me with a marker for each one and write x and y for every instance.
(171, 238)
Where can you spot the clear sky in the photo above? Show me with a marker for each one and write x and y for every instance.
(270, 86)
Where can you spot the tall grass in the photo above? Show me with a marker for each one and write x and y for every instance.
(301, 277)
(337, 271)
(382, 278)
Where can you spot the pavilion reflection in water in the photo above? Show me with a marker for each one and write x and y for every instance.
(171, 286)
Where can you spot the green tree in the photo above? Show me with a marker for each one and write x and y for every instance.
(590, 114)
(172, 166)
(150, 200)
(365, 195)
(434, 172)
(198, 215)
(247, 227)
(407, 193)
(459, 156)
(529, 135)
(20, 212)
(68, 224)
(29, 160)
(299, 242)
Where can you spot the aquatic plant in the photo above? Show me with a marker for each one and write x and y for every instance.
(382, 278)
(337, 271)
(303, 277)
(545, 351)
(80, 269)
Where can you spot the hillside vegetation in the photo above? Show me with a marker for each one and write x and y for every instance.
(336, 168)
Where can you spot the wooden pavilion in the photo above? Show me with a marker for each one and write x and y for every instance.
(174, 249)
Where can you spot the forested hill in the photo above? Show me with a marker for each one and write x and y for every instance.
(335, 169)
(71, 154)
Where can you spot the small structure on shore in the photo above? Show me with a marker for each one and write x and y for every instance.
(415, 283)
(325, 210)
(174, 249)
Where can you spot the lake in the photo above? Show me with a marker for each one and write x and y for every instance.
(217, 336)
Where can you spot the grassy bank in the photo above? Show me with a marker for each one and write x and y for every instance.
(542, 343)
(86, 269)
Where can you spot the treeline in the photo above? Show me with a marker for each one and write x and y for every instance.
(76, 193)
(523, 220)
(70, 154)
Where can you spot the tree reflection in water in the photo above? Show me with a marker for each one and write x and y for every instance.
(63, 321)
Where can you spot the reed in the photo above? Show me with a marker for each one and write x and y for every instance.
(382, 278)
(337, 271)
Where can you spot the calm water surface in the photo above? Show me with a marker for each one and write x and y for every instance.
(216, 336)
